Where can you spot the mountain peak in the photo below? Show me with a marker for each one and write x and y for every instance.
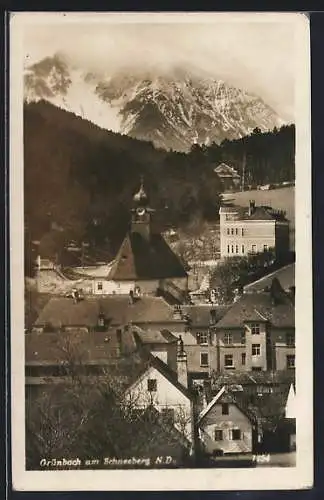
(173, 107)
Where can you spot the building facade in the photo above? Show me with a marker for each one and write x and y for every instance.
(224, 427)
(229, 176)
(251, 230)
(258, 333)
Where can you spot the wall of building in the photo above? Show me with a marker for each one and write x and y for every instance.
(236, 348)
(282, 238)
(166, 396)
(280, 349)
(194, 358)
(236, 419)
(124, 287)
(257, 233)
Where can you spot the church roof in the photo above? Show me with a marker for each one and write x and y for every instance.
(146, 259)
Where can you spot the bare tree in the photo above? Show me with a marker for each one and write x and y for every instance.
(86, 415)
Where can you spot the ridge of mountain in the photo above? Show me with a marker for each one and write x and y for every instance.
(174, 109)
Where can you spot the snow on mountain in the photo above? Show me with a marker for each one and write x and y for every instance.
(173, 110)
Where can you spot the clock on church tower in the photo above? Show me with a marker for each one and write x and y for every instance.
(141, 213)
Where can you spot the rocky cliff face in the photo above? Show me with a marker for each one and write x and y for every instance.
(173, 109)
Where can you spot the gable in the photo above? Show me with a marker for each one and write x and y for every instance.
(235, 415)
(167, 393)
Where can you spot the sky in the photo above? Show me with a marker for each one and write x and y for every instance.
(257, 54)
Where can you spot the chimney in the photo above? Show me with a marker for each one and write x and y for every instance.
(251, 207)
(182, 366)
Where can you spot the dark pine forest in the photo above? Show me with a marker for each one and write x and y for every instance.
(79, 179)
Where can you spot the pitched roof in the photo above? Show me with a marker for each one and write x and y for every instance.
(167, 372)
(56, 347)
(244, 378)
(204, 315)
(154, 336)
(117, 309)
(224, 395)
(146, 259)
(224, 170)
(259, 307)
(285, 275)
(263, 213)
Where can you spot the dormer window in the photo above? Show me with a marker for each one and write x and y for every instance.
(255, 329)
(228, 339)
(202, 338)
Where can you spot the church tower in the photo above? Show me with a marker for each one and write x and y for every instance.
(141, 213)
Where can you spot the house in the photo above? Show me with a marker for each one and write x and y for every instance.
(288, 427)
(199, 338)
(160, 343)
(167, 391)
(147, 312)
(252, 229)
(264, 397)
(144, 264)
(228, 175)
(157, 395)
(225, 427)
(258, 333)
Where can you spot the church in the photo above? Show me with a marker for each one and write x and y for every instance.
(145, 264)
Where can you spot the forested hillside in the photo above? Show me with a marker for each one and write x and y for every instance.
(79, 179)
(265, 157)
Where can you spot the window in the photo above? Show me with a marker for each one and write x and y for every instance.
(242, 248)
(290, 361)
(236, 248)
(235, 434)
(254, 248)
(232, 230)
(228, 230)
(265, 248)
(256, 349)
(225, 409)
(228, 338)
(167, 415)
(290, 339)
(256, 368)
(99, 286)
(242, 231)
(228, 249)
(236, 230)
(243, 358)
(152, 385)
(232, 248)
(255, 329)
(202, 338)
(228, 361)
(218, 435)
(243, 337)
(204, 359)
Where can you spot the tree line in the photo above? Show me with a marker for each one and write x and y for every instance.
(79, 179)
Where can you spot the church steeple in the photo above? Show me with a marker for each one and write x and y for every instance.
(140, 198)
(141, 213)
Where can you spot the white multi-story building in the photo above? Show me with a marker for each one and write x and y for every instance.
(252, 229)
